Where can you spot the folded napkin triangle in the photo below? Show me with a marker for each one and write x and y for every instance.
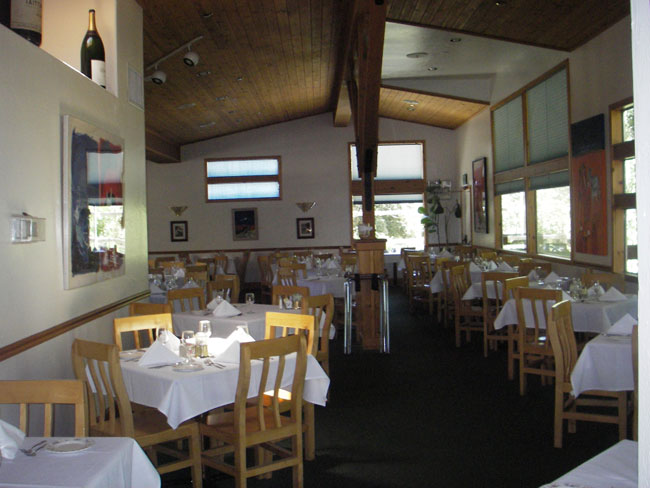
(190, 284)
(566, 296)
(227, 350)
(612, 295)
(623, 326)
(473, 268)
(224, 309)
(155, 289)
(551, 278)
(160, 354)
(445, 254)
(11, 438)
(504, 267)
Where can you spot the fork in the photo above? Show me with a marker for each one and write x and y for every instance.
(34, 449)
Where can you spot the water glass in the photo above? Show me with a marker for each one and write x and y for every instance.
(250, 300)
(161, 335)
(188, 342)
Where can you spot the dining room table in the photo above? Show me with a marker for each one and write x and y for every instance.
(88, 462)
(616, 467)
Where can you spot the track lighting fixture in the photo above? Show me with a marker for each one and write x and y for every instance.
(159, 76)
(190, 58)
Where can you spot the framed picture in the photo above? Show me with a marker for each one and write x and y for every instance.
(178, 230)
(305, 228)
(244, 224)
(479, 196)
(93, 204)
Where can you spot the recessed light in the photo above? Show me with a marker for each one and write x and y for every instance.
(207, 124)
(410, 108)
(455, 39)
(432, 68)
(222, 98)
(411, 102)
(203, 73)
(240, 78)
(417, 55)
(207, 15)
(186, 106)
(500, 3)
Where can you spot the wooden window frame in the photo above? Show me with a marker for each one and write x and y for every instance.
(212, 180)
(621, 201)
(529, 170)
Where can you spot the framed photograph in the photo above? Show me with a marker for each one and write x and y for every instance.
(244, 224)
(179, 230)
(93, 204)
(305, 228)
(479, 196)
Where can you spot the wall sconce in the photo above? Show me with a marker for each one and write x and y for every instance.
(25, 229)
(305, 206)
(178, 211)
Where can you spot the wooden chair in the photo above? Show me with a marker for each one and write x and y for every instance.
(322, 308)
(525, 267)
(220, 264)
(145, 308)
(513, 331)
(403, 253)
(468, 318)
(110, 411)
(256, 423)
(466, 253)
(227, 284)
(510, 259)
(241, 267)
(419, 286)
(348, 259)
(158, 262)
(493, 283)
(286, 276)
(488, 255)
(187, 299)
(172, 264)
(48, 393)
(535, 352)
(197, 273)
(609, 279)
(266, 277)
(281, 291)
(446, 264)
(184, 256)
(300, 269)
(563, 343)
(140, 323)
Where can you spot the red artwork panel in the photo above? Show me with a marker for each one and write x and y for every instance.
(589, 179)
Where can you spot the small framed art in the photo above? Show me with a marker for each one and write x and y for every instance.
(179, 230)
(479, 194)
(244, 224)
(305, 228)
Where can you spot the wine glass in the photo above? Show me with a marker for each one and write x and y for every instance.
(250, 300)
(189, 343)
(161, 335)
(205, 328)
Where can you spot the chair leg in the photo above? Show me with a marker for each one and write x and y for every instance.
(457, 321)
(310, 434)
(240, 466)
(558, 420)
(522, 375)
(485, 338)
(622, 415)
(194, 445)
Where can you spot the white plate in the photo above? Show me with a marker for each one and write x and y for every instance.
(204, 313)
(188, 368)
(132, 354)
(69, 445)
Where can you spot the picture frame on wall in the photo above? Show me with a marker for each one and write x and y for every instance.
(305, 228)
(479, 195)
(178, 230)
(93, 204)
(244, 224)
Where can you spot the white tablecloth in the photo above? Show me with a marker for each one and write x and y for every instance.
(182, 396)
(437, 285)
(615, 467)
(111, 462)
(604, 364)
(588, 316)
(322, 285)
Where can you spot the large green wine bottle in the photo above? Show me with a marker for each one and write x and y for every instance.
(92, 53)
(26, 19)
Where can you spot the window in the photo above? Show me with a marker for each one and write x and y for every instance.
(531, 160)
(624, 188)
(243, 179)
(399, 186)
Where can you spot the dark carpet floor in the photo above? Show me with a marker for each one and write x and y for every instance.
(431, 415)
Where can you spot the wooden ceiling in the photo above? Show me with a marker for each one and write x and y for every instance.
(268, 61)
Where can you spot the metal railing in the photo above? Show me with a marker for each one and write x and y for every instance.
(379, 283)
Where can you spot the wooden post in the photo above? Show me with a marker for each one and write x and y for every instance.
(370, 259)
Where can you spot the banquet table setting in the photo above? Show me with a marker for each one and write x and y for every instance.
(89, 462)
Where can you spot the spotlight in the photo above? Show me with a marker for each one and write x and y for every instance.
(191, 58)
(159, 77)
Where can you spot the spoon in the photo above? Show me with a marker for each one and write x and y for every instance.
(34, 449)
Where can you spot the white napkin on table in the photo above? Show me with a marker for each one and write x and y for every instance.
(592, 293)
(224, 309)
(566, 296)
(178, 273)
(492, 266)
(445, 254)
(190, 284)
(10, 439)
(533, 276)
(623, 326)
(227, 350)
(160, 354)
(331, 264)
(551, 278)
(153, 288)
(613, 295)
(473, 268)
(504, 267)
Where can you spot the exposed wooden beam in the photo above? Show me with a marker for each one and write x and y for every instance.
(343, 111)
(160, 150)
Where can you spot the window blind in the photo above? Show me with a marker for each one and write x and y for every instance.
(547, 107)
(553, 180)
(508, 130)
(514, 186)
(409, 198)
(394, 162)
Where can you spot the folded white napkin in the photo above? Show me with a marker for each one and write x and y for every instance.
(532, 276)
(566, 296)
(159, 354)
(178, 273)
(492, 266)
(445, 254)
(594, 292)
(224, 309)
(331, 264)
(473, 268)
(153, 288)
(10, 439)
(623, 326)
(613, 295)
(504, 267)
(220, 270)
(227, 350)
(551, 278)
(190, 284)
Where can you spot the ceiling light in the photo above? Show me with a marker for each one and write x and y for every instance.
(207, 15)
(500, 3)
(410, 108)
(432, 68)
(455, 39)
(411, 102)
(191, 58)
(204, 73)
(222, 98)
(207, 124)
(159, 77)
(186, 106)
(240, 78)
(417, 55)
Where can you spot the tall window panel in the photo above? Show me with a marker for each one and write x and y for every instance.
(508, 127)
(513, 215)
(243, 179)
(553, 214)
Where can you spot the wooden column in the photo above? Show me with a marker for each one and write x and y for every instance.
(370, 259)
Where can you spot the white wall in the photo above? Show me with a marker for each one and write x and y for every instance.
(600, 74)
(314, 168)
(36, 90)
